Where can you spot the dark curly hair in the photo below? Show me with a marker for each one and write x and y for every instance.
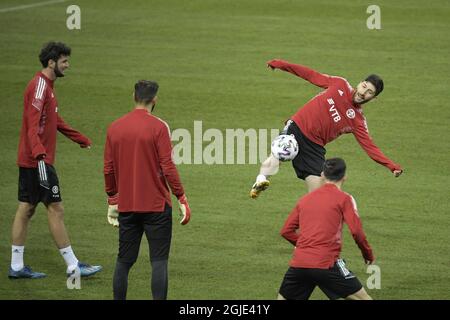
(53, 50)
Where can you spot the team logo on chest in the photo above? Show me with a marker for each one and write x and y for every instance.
(350, 113)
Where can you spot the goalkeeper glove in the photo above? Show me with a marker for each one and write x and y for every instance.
(113, 212)
(185, 211)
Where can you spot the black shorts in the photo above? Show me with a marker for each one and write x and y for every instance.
(336, 282)
(158, 230)
(310, 157)
(31, 192)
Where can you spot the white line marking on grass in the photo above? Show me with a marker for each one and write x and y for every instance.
(32, 5)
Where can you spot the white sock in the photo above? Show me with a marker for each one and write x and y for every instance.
(17, 257)
(69, 257)
(261, 178)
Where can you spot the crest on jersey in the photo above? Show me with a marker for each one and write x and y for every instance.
(350, 113)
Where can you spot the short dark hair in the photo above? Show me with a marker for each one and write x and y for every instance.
(145, 91)
(377, 82)
(334, 169)
(53, 50)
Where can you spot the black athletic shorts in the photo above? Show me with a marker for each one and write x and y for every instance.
(310, 157)
(158, 230)
(31, 192)
(336, 282)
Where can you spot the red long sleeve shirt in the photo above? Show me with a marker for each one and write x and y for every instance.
(138, 163)
(319, 216)
(40, 122)
(333, 112)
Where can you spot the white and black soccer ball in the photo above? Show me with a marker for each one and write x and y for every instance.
(285, 147)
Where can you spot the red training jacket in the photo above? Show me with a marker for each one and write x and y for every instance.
(40, 122)
(332, 112)
(319, 216)
(138, 162)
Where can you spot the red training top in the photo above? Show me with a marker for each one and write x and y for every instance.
(40, 123)
(319, 216)
(332, 112)
(138, 162)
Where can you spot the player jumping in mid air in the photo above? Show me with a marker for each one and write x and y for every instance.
(335, 111)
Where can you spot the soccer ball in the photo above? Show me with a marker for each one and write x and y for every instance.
(284, 147)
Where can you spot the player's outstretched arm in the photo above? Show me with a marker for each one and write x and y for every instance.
(73, 134)
(351, 218)
(365, 141)
(316, 78)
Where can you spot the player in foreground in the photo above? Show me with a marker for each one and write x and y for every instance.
(319, 217)
(38, 181)
(138, 166)
(335, 111)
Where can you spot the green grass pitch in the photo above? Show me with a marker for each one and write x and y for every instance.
(209, 59)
